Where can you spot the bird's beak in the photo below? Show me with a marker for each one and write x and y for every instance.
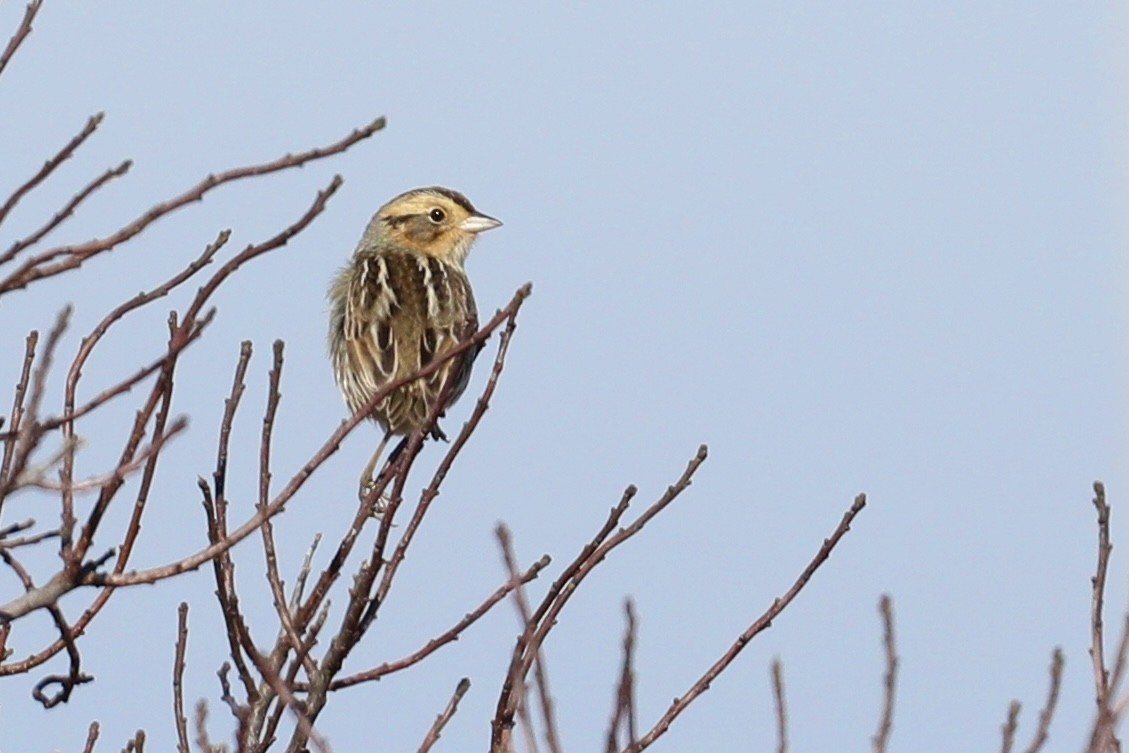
(478, 223)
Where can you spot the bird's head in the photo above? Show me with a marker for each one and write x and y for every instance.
(435, 221)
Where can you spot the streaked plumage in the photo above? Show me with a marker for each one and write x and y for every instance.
(402, 301)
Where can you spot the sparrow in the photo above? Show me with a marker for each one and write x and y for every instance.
(403, 301)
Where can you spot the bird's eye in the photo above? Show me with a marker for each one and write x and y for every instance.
(437, 215)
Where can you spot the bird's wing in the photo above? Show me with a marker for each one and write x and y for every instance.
(364, 350)
(403, 312)
(451, 318)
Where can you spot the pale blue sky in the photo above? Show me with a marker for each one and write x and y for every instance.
(876, 249)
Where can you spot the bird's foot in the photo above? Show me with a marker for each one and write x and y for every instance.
(379, 503)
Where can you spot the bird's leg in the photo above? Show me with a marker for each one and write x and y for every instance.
(398, 449)
(367, 481)
(436, 432)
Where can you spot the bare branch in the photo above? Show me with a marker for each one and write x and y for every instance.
(30, 432)
(1097, 605)
(451, 634)
(624, 713)
(91, 738)
(49, 166)
(540, 673)
(330, 446)
(18, 410)
(882, 736)
(1048, 711)
(58, 260)
(1010, 726)
(21, 34)
(66, 212)
(546, 614)
(781, 706)
(441, 720)
(762, 623)
(179, 718)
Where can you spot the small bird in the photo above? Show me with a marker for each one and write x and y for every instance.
(401, 302)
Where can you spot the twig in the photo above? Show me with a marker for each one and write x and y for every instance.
(762, 623)
(781, 706)
(49, 166)
(1048, 710)
(179, 718)
(223, 570)
(21, 33)
(624, 712)
(1010, 726)
(18, 410)
(135, 744)
(545, 616)
(203, 741)
(91, 738)
(31, 432)
(540, 673)
(274, 580)
(45, 265)
(117, 474)
(1097, 599)
(441, 720)
(882, 736)
(66, 212)
(91, 340)
(448, 636)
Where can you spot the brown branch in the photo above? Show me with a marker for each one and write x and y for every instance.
(545, 616)
(222, 566)
(74, 677)
(540, 673)
(624, 713)
(30, 430)
(135, 744)
(194, 561)
(99, 331)
(49, 166)
(84, 574)
(881, 738)
(21, 34)
(159, 401)
(330, 446)
(278, 590)
(18, 410)
(44, 265)
(66, 212)
(1009, 726)
(1104, 735)
(8, 530)
(203, 741)
(1048, 710)
(297, 708)
(781, 706)
(91, 738)
(258, 249)
(441, 720)
(450, 635)
(120, 472)
(1097, 605)
(762, 623)
(179, 718)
